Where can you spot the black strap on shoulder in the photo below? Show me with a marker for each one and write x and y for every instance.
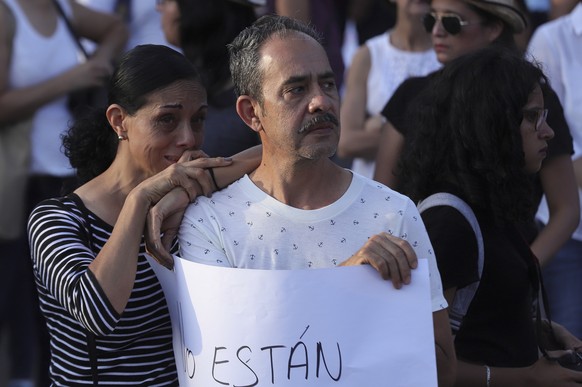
(71, 28)
(91, 341)
(92, 350)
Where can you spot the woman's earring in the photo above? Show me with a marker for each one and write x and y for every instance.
(121, 138)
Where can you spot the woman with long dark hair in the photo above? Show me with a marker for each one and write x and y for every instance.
(480, 133)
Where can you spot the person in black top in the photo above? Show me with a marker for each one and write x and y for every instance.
(479, 133)
(459, 27)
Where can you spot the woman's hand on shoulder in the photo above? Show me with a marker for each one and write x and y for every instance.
(170, 192)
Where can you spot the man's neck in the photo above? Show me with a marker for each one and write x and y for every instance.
(306, 185)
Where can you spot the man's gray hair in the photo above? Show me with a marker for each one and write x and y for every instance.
(244, 50)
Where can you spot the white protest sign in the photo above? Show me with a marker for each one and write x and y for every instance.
(343, 326)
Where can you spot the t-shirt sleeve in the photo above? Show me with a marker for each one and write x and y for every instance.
(199, 238)
(61, 255)
(396, 109)
(561, 144)
(415, 233)
(455, 246)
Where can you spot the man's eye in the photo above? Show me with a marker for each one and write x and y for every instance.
(330, 85)
(296, 90)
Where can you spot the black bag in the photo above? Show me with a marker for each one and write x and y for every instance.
(82, 100)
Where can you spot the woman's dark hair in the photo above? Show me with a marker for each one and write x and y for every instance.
(91, 143)
(466, 134)
(206, 27)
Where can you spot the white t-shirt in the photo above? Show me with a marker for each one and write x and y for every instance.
(557, 45)
(241, 226)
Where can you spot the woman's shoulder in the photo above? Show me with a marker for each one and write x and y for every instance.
(67, 203)
(68, 209)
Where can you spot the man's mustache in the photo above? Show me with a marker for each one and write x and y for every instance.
(325, 117)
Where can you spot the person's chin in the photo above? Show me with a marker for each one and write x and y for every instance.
(442, 54)
(320, 151)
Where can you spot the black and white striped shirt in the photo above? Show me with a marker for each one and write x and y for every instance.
(134, 348)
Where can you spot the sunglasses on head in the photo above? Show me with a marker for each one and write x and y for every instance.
(451, 23)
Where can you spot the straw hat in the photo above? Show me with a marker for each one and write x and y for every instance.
(506, 10)
(251, 3)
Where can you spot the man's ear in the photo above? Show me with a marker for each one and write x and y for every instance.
(115, 115)
(247, 109)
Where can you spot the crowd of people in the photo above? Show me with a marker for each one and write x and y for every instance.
(236, 107)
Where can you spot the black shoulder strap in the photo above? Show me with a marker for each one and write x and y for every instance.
(71, 29)
(92, 350)
(91, 341)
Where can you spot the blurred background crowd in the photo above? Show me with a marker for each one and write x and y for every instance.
(54, 51)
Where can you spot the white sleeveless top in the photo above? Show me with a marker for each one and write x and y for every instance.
(389, 67)
(35, 59)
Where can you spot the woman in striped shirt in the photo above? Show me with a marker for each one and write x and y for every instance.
(105, 310)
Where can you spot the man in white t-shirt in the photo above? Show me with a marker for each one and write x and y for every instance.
(299, 209)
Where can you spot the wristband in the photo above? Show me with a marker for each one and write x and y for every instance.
(211, 171)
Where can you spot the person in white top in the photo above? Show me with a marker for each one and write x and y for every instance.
(377, 69)
(298, 209)
(558, 46)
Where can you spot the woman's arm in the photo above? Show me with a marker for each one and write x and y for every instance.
(242, 163)
(542, 373)
(445, 350)
(166, 215)
(388, 156)
(115, 265)
(359, 133)
(106, 29)
(559, 185)
(578, 171)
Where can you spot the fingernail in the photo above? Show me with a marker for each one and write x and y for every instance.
(228, 159)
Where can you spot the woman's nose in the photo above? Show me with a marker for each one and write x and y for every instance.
(545, 131)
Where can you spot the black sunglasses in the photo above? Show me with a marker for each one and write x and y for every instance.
(451, 22)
